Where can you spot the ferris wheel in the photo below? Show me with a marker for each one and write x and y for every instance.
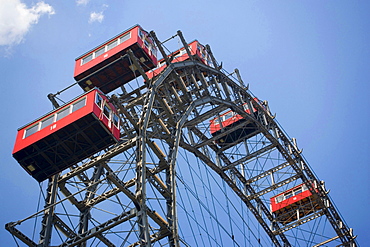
(187, 156)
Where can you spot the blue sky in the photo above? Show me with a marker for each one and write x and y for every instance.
(309, 59)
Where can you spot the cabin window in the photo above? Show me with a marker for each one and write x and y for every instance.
(125, 37)
(46, 122)
(154, 50)
(31, 130)
(245, 106)
(297, 191)
(79, 104)
(215, 121)
(177, 54)
(204, 54)
(141, 33)
(87, 59)
(61, 114)
(100, 51)
(115, 120)
(98, 100)
(150, 49)
(106, 111)
(228, 115)
(182, 52)
(288, 195)
(279, 199)
(304, 187)
(146, 43)
(161, 63)
(112, 45)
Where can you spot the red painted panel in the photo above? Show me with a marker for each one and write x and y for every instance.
(81, 68)
(22, 142)
(108, 123)
(215, 126)
(290, 201)
(193, 51)
(89, 107)
(66, 141)
(112, 68)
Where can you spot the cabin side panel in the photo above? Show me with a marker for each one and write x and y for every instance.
(179, 56)
(81, 68)
(22, 141)
(74, 137)
(290, 201)
(113, 68)
(107, 114)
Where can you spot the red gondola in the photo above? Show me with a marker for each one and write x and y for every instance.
(228, 120)
(196, 49)
(294, 203)
(108, 66)
(67, 135)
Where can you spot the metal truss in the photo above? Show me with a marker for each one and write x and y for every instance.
(128, 195)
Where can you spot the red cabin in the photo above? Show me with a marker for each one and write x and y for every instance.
(228, 120)
(67, 135)
(196, 49)
(294, 203)
(106, 66)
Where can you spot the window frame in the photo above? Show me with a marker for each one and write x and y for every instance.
(128, 35)
(231, 114)
(115, 120)
(289, 193)
(102, 50)
(146, 43)
(297, 191)
(76, 102)
(100, 102)
(31, 127)
(304, 187)
(42, 121)
(109, 110)
(116, 41)
(83, 60)
(141, 33)
(183, 51)
(176, 54)
(162, 63)
(279, 198)
(67, 108)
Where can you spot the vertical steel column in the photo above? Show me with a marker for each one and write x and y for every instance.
(85, 212)
(144, 236)
(171, 201)
(47, 221)
(51, 196)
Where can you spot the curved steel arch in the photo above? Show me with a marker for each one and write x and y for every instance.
(127, 194)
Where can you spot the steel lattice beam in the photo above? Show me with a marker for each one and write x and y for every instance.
(181, 99)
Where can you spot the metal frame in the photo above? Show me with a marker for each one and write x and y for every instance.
(173, 109)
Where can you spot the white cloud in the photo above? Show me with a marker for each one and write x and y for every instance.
(82, 2)
(16, 19)
(94, 16)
